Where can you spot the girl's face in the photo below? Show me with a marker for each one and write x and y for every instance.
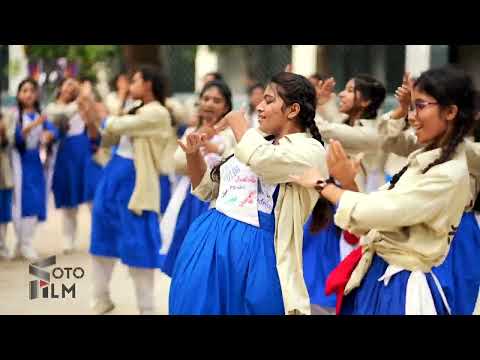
(272, 116)
(212, 106)
(27, 95)
(428, 119)
(348, 105)
(69, 90)
(138, 86)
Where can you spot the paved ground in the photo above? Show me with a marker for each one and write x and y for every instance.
(14, 276)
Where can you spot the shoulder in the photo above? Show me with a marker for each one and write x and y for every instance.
(455, 170)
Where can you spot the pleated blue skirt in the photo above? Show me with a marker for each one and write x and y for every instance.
(33, 189)
(191, 209)
(93, 173)
(226, 267)
(374, 298)
(459, 274)
(321, 254)
(117, 231)
(5, 206)
(68, 183)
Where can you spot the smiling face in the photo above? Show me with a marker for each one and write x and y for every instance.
(431, 122)
(351, 100)
(212, 105)
(271, 111)
(69, 90)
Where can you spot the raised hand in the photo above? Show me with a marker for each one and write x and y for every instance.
(403, 94)
(236, 121)
(340, 166)
(193, 143)
(324, 90)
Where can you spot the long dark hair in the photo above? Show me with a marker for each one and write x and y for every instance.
(159, 86)
(294, 88)
(371, 90)
(20, 106)
(448, 85)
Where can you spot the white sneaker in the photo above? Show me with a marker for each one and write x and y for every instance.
(103, 306)
(29, 253)
(69, 247)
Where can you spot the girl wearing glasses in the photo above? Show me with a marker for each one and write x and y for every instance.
(459, 274)
(408, 225)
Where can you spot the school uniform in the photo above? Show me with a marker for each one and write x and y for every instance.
(29, 205)
(127, 201)
(407, 231)
(184, 207)
(324, 250)
(244, 256)
(458, 274)
(6, 180)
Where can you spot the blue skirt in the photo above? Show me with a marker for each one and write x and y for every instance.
(321, 254)
(93, 173)
(33, 185)
(117, 231)
(69, 171)
(191, 209)
(226, 267)
(165, 192)
(5, 206)
(459, 274)
(374, 298)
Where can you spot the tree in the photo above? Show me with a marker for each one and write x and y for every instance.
(84, 55)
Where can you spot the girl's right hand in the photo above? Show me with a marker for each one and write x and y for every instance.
(403, 94)
(193, 143)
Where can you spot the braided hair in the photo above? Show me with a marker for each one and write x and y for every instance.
(448, 86)
(294, 88)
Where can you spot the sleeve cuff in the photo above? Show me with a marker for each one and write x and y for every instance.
(346, 205)
(248, 145)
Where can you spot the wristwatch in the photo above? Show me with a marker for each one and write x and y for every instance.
(321, 184)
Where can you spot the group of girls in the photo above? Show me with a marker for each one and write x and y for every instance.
(295, 229)
(288, 208)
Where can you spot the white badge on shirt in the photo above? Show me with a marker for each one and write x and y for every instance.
(242, 194)
(76, 125)
(33, 139)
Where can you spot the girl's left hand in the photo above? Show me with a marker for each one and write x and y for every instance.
(308, 179)
(340, 166)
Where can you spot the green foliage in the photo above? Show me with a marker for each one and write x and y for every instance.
(85, 55)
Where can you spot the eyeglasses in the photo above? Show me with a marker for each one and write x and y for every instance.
(420, 105)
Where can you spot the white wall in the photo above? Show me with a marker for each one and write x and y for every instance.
(304, 59)
(417, 59)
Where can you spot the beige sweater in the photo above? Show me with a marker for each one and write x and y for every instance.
(412, 224)
(294, 154)
(151, 133)
(6, 176)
